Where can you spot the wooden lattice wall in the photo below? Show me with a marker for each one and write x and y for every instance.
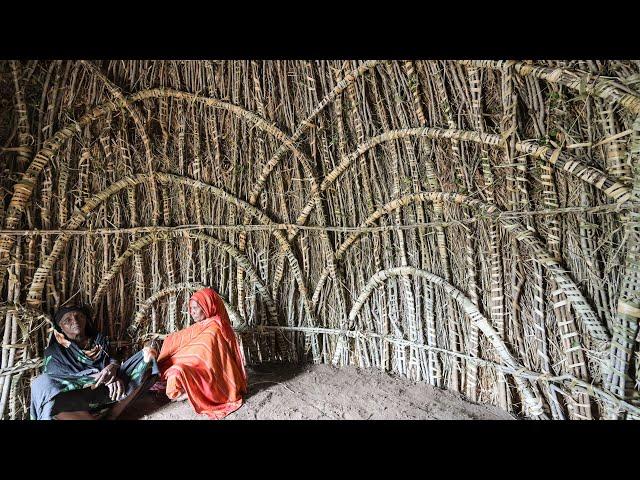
(471, 224)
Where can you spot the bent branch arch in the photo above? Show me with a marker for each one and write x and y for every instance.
(137, 120)
(534, 404)
(605, 89)
(34, 297)
(583, 310)
(593, 176)
(560, 161)
(173, 289)
(276, 157)
(306, 123)
(23, 189)
(228, 248)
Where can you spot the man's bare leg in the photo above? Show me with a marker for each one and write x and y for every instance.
(78, 415)
(120, 406)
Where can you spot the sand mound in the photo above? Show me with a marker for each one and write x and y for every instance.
(283, 392)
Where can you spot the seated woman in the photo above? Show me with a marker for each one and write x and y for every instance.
(80, 375)
(204, 362)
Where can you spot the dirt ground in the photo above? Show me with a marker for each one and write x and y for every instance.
(314, 392)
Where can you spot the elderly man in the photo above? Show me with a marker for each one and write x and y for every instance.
(81, 378)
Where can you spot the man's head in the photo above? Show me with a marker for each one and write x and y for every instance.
(72, 321)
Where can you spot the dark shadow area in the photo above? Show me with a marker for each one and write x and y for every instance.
(259, 377)
(267, 374)
(147, 403)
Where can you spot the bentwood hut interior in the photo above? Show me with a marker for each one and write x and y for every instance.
(471, 225)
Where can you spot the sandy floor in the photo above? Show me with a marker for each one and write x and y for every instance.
(278, 392)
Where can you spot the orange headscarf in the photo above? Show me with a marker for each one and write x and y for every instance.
(215, 311)
(205, 361)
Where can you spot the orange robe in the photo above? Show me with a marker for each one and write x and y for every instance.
(205, 361)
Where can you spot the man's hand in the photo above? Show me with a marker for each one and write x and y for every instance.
(116, 389)
(107, 376)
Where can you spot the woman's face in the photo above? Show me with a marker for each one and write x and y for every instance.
(196, 311)
(73, 324)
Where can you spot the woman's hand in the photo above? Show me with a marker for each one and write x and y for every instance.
(150, 350)
(116, 389)
(148, 353)
(107, 376)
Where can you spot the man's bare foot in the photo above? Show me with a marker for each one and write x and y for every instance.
(180, 398)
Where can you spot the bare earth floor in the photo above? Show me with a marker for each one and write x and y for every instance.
(313, 392)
